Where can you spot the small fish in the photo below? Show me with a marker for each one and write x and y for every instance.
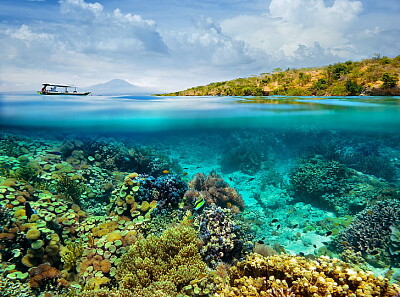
(328, 233)
(55, 153)
(185, 173)
(295, 226)
(277, 227)
(260, 242)
(344, 242)
(198, 167)
(252, 178)
(274, 220)
(29, 211)
(230, 178)
(191, 217)
(165, 171)
(301, 254)
(374, 252)
(186, 168)
(199, 203)
(127, 159)
(315, 246)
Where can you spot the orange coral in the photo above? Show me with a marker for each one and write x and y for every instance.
(45, 275)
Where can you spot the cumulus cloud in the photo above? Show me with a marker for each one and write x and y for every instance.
(92, 43)
(296, 28)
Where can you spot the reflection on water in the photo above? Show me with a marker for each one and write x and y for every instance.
(153, 113)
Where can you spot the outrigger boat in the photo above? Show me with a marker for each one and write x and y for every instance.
(50, 89)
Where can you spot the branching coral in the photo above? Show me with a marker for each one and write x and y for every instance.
(69, 189)
(215, 191)
(161, 266)
(298, 276)
(369, 232)
(70, 254)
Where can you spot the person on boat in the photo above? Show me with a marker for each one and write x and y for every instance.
(44, 89)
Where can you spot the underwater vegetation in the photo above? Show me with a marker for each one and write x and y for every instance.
(98, 217)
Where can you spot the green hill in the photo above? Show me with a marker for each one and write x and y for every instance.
(377, 76)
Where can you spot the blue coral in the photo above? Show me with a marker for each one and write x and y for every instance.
(167, 189)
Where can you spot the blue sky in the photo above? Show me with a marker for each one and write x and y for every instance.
(169, 45)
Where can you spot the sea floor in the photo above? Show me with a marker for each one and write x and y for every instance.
(301, 189)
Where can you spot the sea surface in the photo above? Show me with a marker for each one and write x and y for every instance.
(309, 173)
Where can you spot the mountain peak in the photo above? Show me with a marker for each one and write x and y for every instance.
(117, 87)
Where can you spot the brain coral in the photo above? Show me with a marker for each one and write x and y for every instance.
(286, 275)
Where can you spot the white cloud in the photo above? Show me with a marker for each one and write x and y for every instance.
(292, 26)
(91, 43)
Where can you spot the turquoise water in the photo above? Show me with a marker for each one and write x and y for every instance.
(312, 173)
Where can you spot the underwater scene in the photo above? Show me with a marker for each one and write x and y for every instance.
(199, 196)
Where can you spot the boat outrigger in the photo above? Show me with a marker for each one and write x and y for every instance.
(50, 89)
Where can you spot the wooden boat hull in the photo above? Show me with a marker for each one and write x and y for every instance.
(63, 93)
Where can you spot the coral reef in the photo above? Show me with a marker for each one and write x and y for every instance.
(330, 183)
(162, 265)
(215, 191)
(47, 278)
(223, 238)
(370, 233)
(286, 275)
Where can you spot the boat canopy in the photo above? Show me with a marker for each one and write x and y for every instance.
(61, 86)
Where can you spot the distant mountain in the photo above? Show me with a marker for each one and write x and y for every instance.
(118, 87)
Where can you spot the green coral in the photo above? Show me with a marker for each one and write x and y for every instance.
(69, 189)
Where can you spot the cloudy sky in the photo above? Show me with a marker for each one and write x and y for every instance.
(169, 45)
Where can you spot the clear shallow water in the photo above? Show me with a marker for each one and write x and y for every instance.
(146, 113)
(304, 166)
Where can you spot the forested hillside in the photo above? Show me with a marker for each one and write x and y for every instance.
(376, 76)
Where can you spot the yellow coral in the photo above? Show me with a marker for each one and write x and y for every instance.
(158, 266)
(33, 234)
(113, 236)
(320, 277)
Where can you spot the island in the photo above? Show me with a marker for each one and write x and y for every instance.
(378, 76)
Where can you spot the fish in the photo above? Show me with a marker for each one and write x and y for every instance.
(374, 252)
(185, 173)
(55, 153)
(199, 203)
(252, 178)
(260, 242)
(165, 171)
(29, 210)
(295, 226)
(328, 233)
(274, 220)
(277, 227)
(191, 217)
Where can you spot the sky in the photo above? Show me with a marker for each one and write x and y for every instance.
(170, 45)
